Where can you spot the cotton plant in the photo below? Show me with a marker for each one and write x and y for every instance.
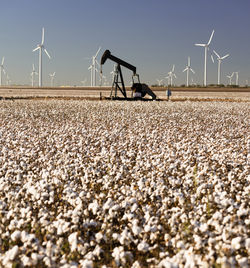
(134, 184)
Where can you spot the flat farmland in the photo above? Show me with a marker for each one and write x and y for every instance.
(178, 94)
(124, 184)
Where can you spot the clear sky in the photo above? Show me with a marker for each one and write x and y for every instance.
(150, 34)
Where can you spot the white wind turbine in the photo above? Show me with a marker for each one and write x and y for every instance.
(93, 68)
(230, 78)
(187, 69)
(192, 82)
(206, 46)
(159, 82)
(32, 75)
(114, 72)
(103, 80)
(219, 63)
(52, 77)
(170, 76)
(8, 80)
(41, 48)
(84, 82)
(2, 71)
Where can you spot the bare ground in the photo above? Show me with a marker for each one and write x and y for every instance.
(96, 93)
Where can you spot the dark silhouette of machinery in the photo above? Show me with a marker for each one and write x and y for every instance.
(138, 90)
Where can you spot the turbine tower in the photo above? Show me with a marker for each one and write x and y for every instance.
(219, 63)
(41, 48)
(32, 75)
(230, 78)
(187, 69)
(52, 77)
(206, 47)
(2, 71)
(170, 76)
(237, 78)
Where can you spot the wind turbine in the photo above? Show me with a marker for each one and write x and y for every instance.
(32, 75)
(192, 82)
(52, 77)
(2, 71)
(206, 46)
(114, 72)
(93, 68)
(101, 79)
(41, 48)
(83, 82)
(8, 80)
(230, 78)
(219, 63)
(187, 69)
(170, 76)
(159, 82)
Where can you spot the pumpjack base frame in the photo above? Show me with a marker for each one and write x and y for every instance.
(129, 99)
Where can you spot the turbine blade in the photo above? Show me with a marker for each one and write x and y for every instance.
(212, 58)
(97, 62)
(185, 70)
(216, 53)
(42, 36)
(188, 61)
(97, 52)
(200, 45)
(47, 53)
(210, 39)
(36, 48)
(2, 60)
(225, 56)
(192, 71)
(173, 68)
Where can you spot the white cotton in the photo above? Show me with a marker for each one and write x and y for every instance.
(73, 241)
(143, 246)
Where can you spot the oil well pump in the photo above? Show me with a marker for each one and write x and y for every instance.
(138, 90)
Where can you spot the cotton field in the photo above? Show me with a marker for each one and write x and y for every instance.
(124, 184)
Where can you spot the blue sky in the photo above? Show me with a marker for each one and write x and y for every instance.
(150, 34)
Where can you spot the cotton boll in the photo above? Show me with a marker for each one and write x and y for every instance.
(236, 243)
(143, 246)
(86, 263)
(94, 207)
(10, 255)
(73, 241)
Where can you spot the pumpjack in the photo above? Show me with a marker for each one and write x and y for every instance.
(138, 90)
